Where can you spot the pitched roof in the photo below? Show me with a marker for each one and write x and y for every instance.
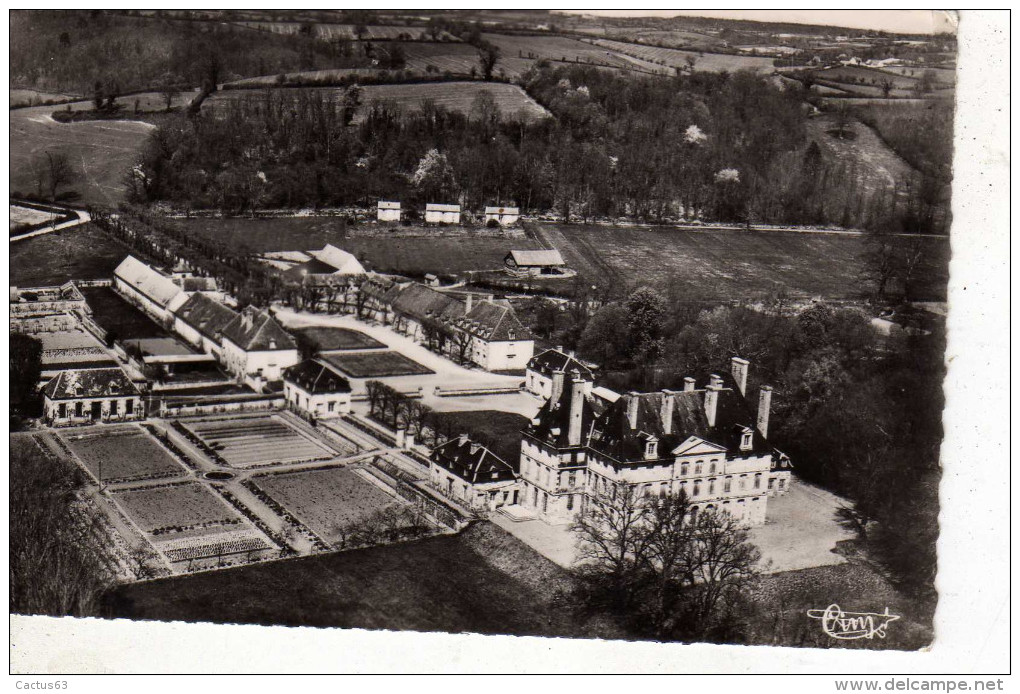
(552, 422)
(207, 316)
(472, 462)
(554, 360)
(316, 377)
(502, 210)
(255, 330)
(487, 320)
(418, 301)
(614, 436)
(537, 258)
(343, 262)
(158, 288)
(89, 383)
(309, 268)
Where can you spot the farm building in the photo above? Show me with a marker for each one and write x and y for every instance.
(442, 214)
(472, 474)
(535, 263)
(83, 396)
(482, 332)
(316, 390)
(256, 348)
(542, 367)
(201, 321)
(388, 211)
(707, 442)
(342, 262)
(299, 265)
(505, 216)
(148, 289)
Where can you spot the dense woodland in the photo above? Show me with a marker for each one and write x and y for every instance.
(709, 146)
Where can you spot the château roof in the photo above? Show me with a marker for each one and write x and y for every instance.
(208, 316)
(316, 377)
(89, 383)
(554, 360)
(255, 330)
(472, 462)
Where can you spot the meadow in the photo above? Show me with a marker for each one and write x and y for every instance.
(708, 62)
(456, 96)
(80, 253)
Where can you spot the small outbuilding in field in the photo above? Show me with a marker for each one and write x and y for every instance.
(442, 214)
(81, 396)
(504, 216)
(388, 211)
(535, 263)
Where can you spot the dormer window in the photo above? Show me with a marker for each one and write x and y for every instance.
(746, 439)
(651, 449)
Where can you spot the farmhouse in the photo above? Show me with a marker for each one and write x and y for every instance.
(482, 332)
(201, 322)
(81, 396)
(707, 442)
(388, 211)
(148, 289)
(472, 474)
(316, 390)
(442, 214)
(505, 216)
(534, 263)
(542, 366)
(256, 348)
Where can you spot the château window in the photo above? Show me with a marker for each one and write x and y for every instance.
(697, 488)
(745, 441)
(711, 487)
(697, 468)
(757, 481)
(650, 449)
(683, 470)
(711, 469)
(727, 485)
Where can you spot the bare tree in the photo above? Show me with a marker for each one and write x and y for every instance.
(488, 58)
(168, 88)
(59, 172)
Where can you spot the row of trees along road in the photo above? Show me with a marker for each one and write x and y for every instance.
(727, 147)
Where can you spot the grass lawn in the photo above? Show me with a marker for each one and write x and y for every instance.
(458, 583)
(116, 315)
(79, 253)
(408, 255)
(501, 431)
(325, 339)
(322, 499)
(376, 364)
(732, 264)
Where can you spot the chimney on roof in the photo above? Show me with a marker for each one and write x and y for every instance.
(576, 412)
(463, 439)
(666, 412)
(688, 384)
(632, 406)
(711, 402)
(470, 304)
(738, 367)
(764, 407)
(715, 380)
(557, 386)
(559, 348)
(475, 447)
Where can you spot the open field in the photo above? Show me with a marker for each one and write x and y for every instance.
(456, 96)
(100, 151)
(411, 255)
(853, 75)
(342, 31)
(34, 97)
(879, 166)
(447, 583)
(457, 58)
(78, 253)
(325, 499)
(732, 264)
(117, 316)
(673, 38)
(127, 453)
(25, 216)
(325, 339)
(180, 506)
(258, 440)
(942, 75)
(708, 62)
(555, 48)
(376, 364)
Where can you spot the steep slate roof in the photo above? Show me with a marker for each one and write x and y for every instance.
(342, 262)
(208, 316)
(495, 323)
(89, 383)
(613, 435)
(255, 330)
(552, 422)
(487, 320)
(316, 377)
(537, 258)
(475, 467)
(159, 288)
(554, 360)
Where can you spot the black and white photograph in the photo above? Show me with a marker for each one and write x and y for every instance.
(608, 327)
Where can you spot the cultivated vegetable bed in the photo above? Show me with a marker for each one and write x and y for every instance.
(122, 454)
(258, 440)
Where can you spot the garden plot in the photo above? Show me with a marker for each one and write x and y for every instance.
(187, 522)
(258, 441)
(324, 500)
(377, 364)
(123, 454)
(72, 347)
(326, 339)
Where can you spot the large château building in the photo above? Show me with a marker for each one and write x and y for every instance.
(704, 440)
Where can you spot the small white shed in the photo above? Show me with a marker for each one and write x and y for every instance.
(388, 211)
(506, 216)
(442, 214)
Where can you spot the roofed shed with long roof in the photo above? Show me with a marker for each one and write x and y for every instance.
(208, 316)
(158, 288)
